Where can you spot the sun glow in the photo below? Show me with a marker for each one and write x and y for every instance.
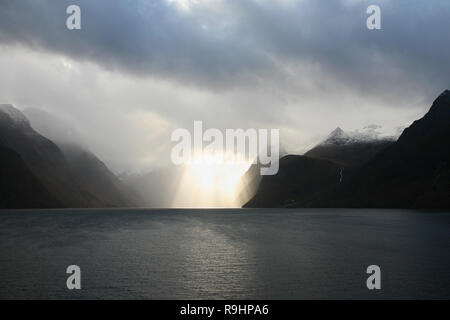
(187, 5)
(209, 181)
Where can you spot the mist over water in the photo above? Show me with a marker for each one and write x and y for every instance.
(224, 254)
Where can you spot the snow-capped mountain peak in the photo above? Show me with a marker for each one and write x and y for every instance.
(337, 137)
(369, 133)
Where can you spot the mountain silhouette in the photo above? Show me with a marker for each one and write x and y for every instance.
(412, 172)
(344, 170)
(71, 183)
(89, 172)
(299, 180)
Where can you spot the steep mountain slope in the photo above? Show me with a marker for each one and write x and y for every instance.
(347, 150)
(43, 157)
(93, 176)
(300, 180)
(89, 172)
(249, 183)
(414, 172)
(19, 188)
(75, 177)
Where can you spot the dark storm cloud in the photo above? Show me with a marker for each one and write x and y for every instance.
(219, 43)
(148, 67)
(142, 37)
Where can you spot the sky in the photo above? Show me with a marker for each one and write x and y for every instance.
(138, 69)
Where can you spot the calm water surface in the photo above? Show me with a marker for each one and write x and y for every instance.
(224, 254)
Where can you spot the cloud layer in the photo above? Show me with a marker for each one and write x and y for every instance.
(149, 66)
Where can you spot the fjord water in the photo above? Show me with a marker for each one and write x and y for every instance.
(224, 254)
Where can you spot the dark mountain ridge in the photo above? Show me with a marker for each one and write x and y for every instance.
(90, 173)
(300, 180)
(412, 172)
(69, 182)
(42, 156)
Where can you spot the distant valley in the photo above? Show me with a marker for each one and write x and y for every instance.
(42, 166)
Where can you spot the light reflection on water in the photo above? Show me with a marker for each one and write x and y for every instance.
(216, 254)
